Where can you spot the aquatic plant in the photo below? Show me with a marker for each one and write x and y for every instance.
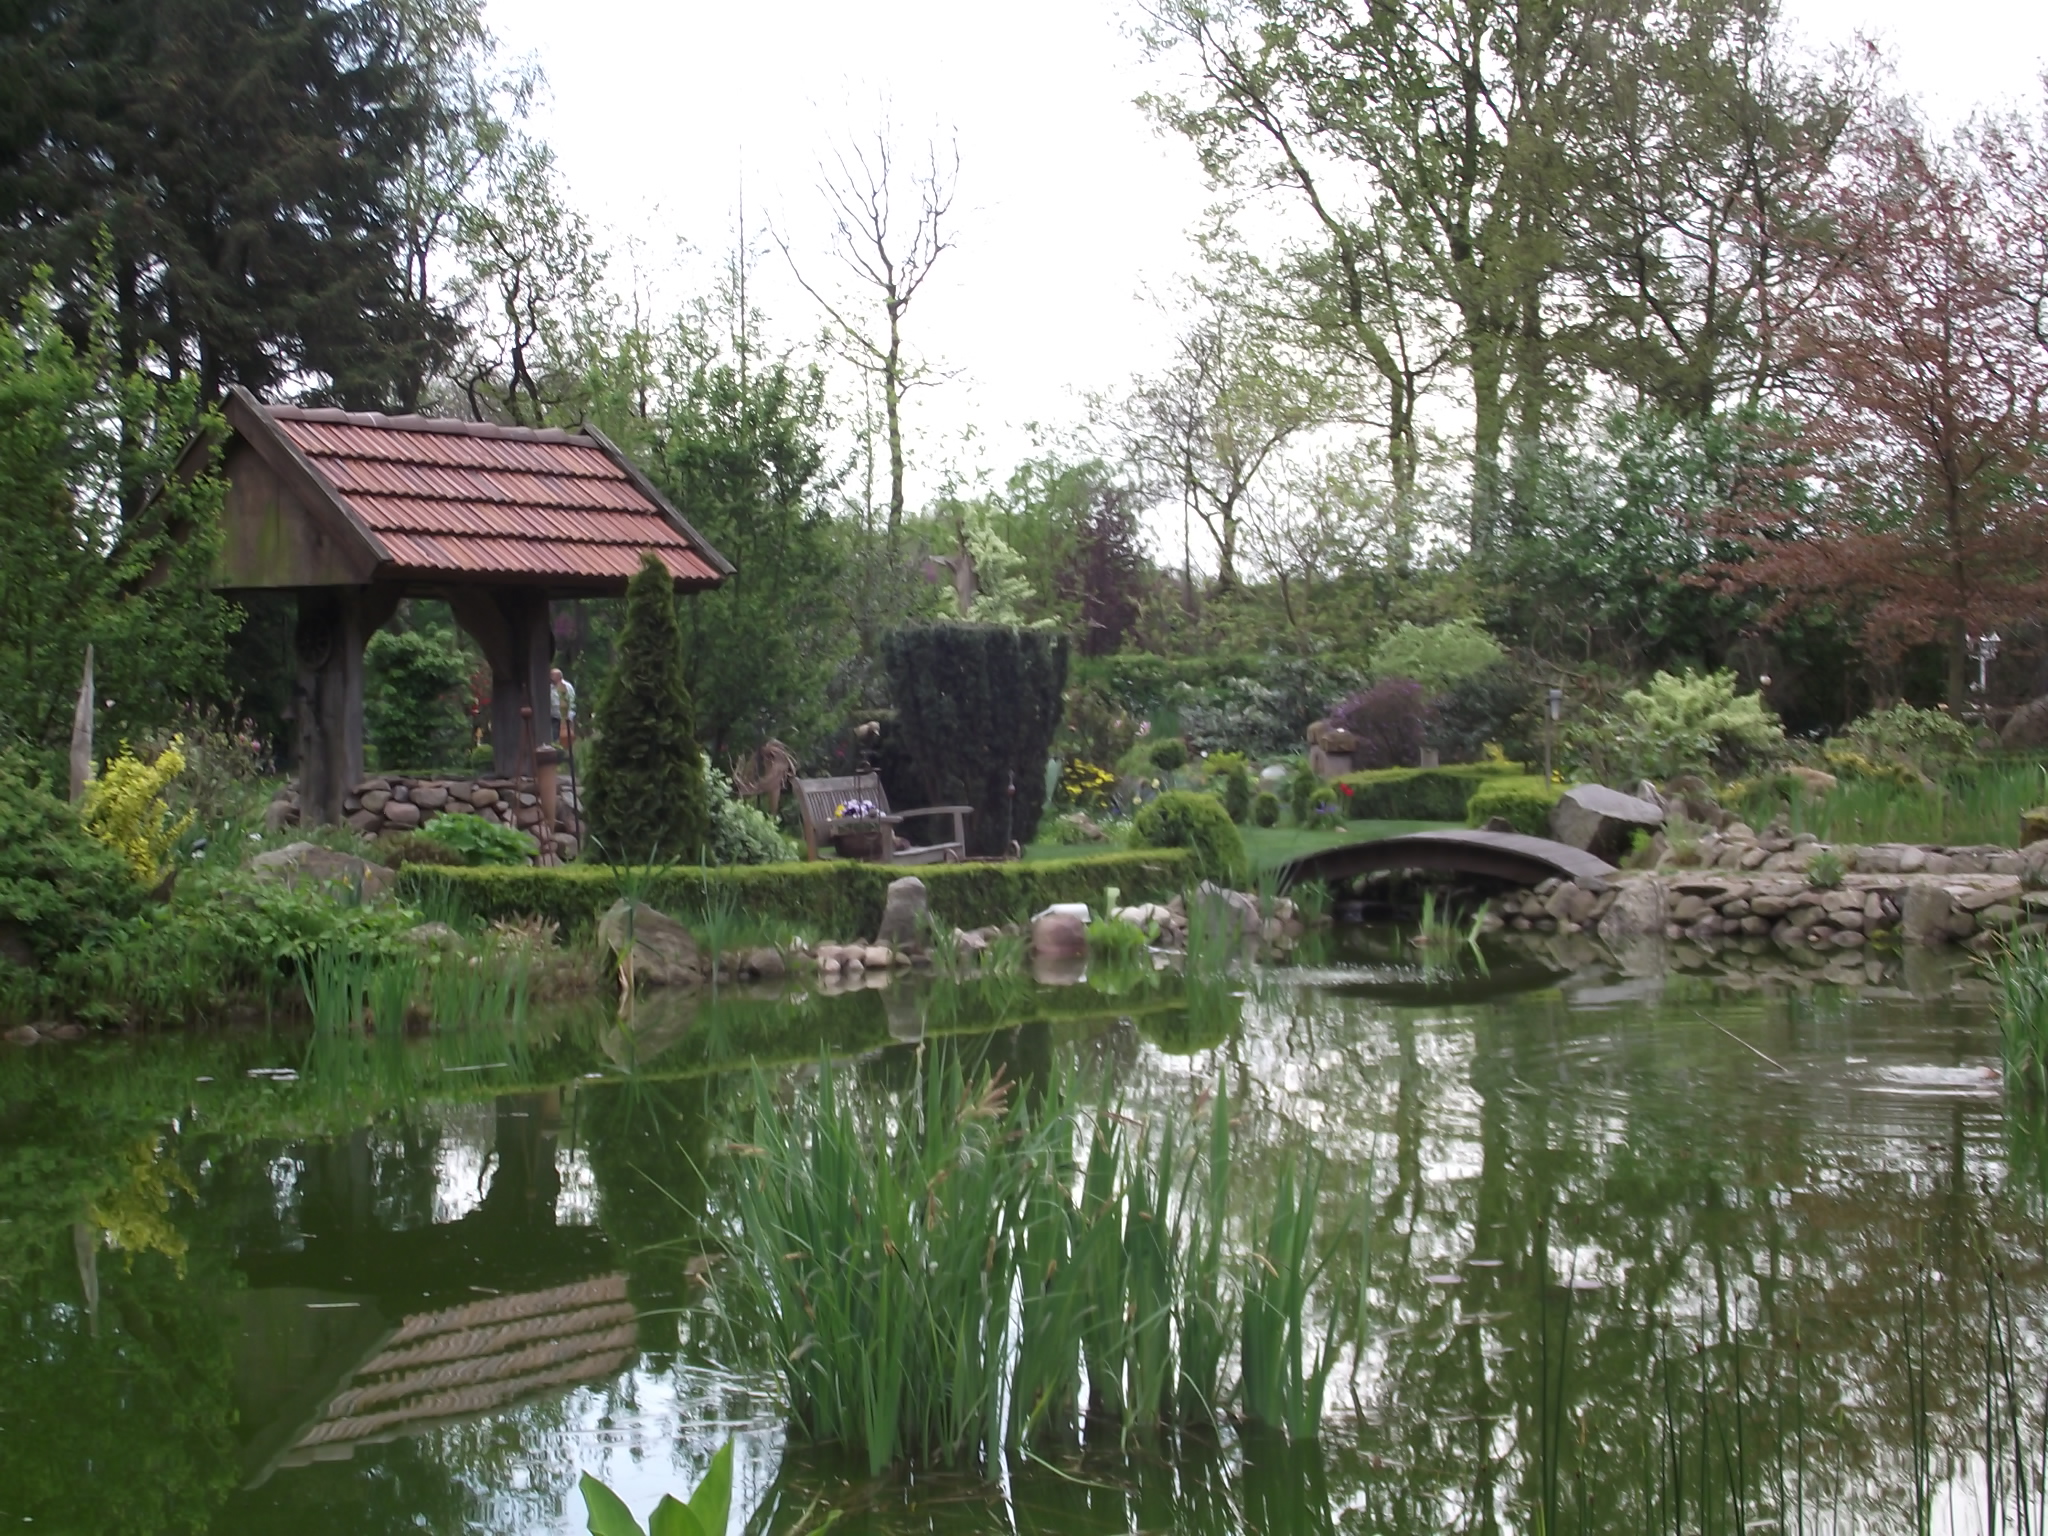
(2020, 974)
(942, 1273)
(704, 1515)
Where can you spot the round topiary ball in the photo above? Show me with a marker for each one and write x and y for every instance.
(1183, 818)
(1266, 810)
(1170, 755)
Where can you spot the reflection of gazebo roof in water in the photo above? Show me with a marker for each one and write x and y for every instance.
(473, 1359)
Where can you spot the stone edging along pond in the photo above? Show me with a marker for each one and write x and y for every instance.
(1901, 893)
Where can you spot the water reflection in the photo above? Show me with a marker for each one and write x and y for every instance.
(1650, 1253)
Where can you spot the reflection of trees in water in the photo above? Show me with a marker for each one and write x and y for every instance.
(1760, 1241)
(123, 1422)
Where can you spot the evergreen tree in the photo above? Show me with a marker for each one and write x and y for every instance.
(243, 159)
(647, 796)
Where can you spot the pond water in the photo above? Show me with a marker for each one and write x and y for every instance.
(1663, 1252)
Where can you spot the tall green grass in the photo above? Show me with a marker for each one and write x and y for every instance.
(964, 1268)
(1980, 804)
(2020, 974)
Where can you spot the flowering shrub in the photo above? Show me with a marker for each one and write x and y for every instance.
(1389, 720)
(1086, 784)
(125, 808)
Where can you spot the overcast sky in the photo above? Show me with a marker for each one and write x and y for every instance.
(1073, 217)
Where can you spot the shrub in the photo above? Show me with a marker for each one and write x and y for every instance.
(1845, 762)
(1824, 870)
(1094, 727)
(1691, 723)
(1260, 705)
(480, 841)
(59, 887)
(1389, 719)
(411, 709)
(1197, 822)
(1491, 708)
(1266, 809)
(1169, 755)
(1237, 791)
(646, 794)
(978, 705)
(125, 808)
(1435, 655)
(1303, 785)
(1419, 794)
(1524, 802)
(1928, 741)
(741, 832)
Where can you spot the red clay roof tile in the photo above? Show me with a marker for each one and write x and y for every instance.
(455, 498)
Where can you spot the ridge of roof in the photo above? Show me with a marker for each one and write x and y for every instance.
(445, 426)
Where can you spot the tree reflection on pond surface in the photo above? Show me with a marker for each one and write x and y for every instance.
(1650, 1252)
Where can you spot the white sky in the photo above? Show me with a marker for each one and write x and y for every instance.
(1073, 216)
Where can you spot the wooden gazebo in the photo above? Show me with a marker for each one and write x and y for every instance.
(353, 512)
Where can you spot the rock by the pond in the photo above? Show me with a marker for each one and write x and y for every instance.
(1925, 913)
(1057, 935)
(1636, 912)
(2028, 726)
(767, 963)
(664, 954)
(1601, 821)
(903, 913)
(298, 862)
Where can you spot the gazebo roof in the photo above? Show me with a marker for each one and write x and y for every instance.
(421, 499)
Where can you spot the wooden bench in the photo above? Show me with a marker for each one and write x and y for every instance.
(872, 837)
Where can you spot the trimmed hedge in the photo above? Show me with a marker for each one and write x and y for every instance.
(1419, 794)
(840, 898)
(1526, 802)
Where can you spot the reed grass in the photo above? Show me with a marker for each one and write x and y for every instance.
(962, 1269)
(2020, 975)
(1977, 804)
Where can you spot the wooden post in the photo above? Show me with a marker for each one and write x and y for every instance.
(81, 734)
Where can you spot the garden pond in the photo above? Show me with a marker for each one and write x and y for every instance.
(1659, 1251)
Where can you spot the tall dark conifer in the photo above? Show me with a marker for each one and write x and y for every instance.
(240, 159)
(647, 795)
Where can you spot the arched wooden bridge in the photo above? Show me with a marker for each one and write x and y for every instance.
(1509, 856)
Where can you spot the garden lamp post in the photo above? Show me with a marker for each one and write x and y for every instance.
(1983, 650)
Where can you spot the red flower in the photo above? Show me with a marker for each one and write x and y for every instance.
(1345, 787)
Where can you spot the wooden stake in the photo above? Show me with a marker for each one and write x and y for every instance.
(81, 734)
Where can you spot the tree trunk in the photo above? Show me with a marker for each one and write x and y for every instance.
(892, 405)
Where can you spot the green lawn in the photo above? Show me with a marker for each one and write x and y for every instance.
(1269, 846)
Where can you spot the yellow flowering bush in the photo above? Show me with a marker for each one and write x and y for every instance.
(125, 809)
(1085, 784)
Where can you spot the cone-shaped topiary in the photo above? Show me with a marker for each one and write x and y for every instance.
(647, 797)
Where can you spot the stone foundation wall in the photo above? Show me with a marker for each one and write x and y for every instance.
(391, 802)
(1909, 894)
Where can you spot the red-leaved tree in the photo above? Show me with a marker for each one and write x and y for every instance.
(1914, 495)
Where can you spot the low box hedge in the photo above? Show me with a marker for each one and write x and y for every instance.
(1525, 802)
(838, 898)
(1419, 794)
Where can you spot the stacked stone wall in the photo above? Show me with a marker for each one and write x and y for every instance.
(397, 802)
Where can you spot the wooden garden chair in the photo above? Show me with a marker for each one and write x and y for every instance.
(872, 837)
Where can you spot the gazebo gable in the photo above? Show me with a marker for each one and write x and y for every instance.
(336, 498)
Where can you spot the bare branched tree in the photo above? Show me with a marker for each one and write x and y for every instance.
(889, 255)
